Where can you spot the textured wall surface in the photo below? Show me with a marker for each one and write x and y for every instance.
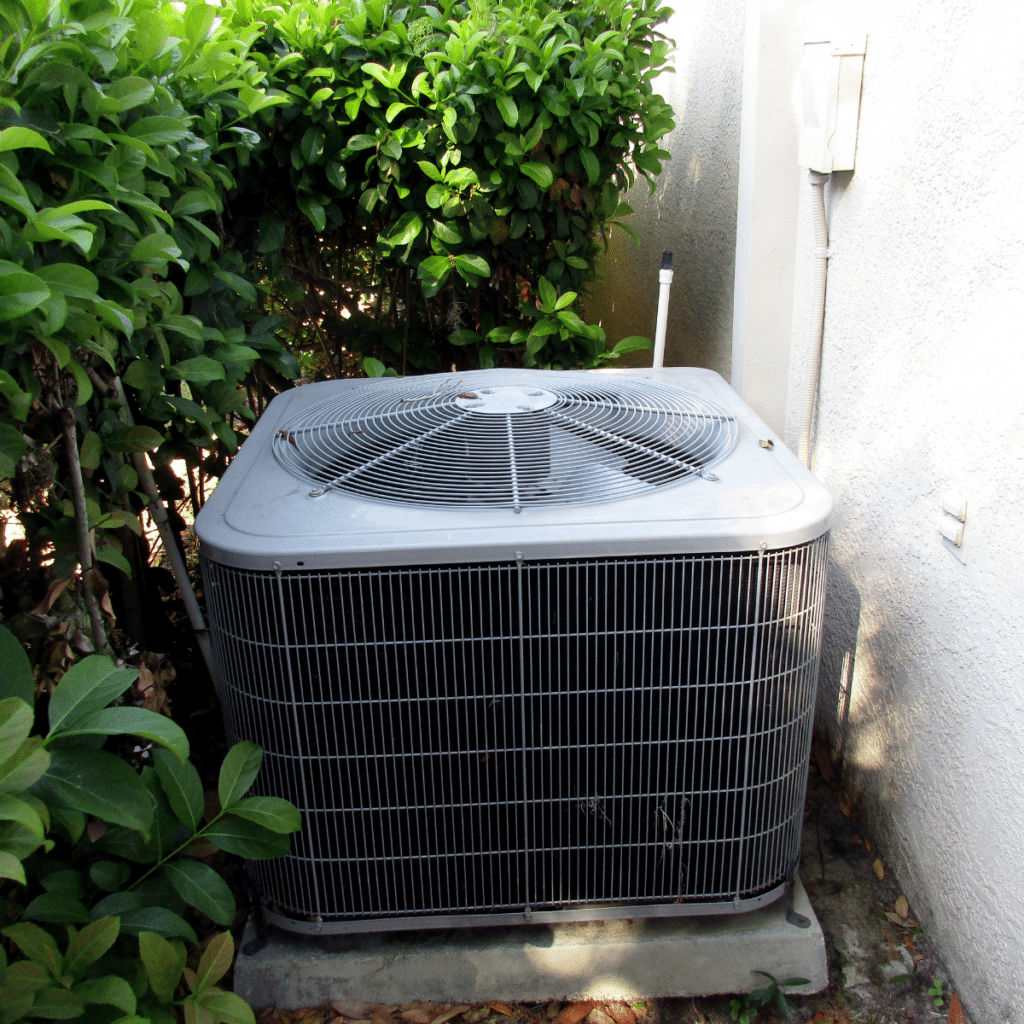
(693, 210)
(922, 388)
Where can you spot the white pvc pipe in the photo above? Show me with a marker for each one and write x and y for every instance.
(661, 329)
(821, 254)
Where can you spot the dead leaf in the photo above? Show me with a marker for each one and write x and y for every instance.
(598, 1015)
(901, 906)
(472, 1016)
(554, 1007)
(621, 1013)
(844, 802)
(501, 1008)
(879, 869)
(415, 1014)
(95, 830)
(870, 845)
(575, 1012)
(55, 589)
(956, 1010)
(448, 1014)
(381, 1016)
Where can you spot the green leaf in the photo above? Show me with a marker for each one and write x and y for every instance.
(508, 109)
(247, 839)
(98, 783)
(143, 375)
(11, 867)
(548, 295)
(26, 765)
(164, 964)
(314, 211)
(88, 945)
(373, 367)
(130, 722)
(215, 961)
(73, 281)
(227, 1007)
(16, 719)
(269, 811)
(92, 451)
(158, 131)
(57, 908)
(56, 1004)
(108, 991)
(156, 246)
(590, 165)
(201, 887)
(238, 772)
(463, 337)
(20, 292)
(133, 439)
(13, 808)
(16, 677)
(22, 138)
(474, 265)
(111, 875)
(200, 370)
(540, 173)
(408, 226)
(12, 448)
(633, 343)
(182, 787)
(159, 920)
(195, 201)
(39, 946)
(128, 93)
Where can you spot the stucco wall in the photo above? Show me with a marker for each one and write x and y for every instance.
(693, 210)
(922, 388)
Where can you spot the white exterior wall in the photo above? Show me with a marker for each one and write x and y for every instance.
(922, 388)
(693, 211)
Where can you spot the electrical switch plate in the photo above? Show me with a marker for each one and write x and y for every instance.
(830, 78)
(952, 530)
(955, 504)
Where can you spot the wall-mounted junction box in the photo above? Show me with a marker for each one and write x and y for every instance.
(830, 84)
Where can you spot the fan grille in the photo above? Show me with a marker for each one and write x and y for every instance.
(506, 439)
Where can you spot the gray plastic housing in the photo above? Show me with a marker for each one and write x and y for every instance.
(262, 517)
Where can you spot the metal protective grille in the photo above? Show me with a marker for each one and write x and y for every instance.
(498, 439)
(543, 736)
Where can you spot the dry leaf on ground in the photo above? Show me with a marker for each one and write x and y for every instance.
(956, 1011)
(501, 1008)
(413, 1013)
(442, 1018)
(599, 1016)
(901, 906)
(621, 1013)
(879, 869)
(575, 1012)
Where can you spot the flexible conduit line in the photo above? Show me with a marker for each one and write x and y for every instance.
(821, 255)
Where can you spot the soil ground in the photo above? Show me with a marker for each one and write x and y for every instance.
(882, 967)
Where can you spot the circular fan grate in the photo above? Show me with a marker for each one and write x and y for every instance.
(506, 439)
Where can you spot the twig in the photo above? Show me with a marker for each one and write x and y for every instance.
(408, 319)
(159, 515)
(85, 560)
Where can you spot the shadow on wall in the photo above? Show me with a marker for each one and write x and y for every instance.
(838, 652)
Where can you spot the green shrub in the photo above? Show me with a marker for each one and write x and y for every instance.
(442, 179)
(113, 851)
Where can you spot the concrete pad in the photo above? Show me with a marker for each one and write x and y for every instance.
(638, 958)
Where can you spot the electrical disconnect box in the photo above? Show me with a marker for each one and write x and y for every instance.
(830, 82)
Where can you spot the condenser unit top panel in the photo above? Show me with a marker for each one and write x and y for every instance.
(503, 441)
(498, 464)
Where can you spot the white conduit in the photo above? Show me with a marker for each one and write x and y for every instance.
(821, 255)
(661, 328)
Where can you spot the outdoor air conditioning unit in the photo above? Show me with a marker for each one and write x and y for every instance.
(523, 646)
